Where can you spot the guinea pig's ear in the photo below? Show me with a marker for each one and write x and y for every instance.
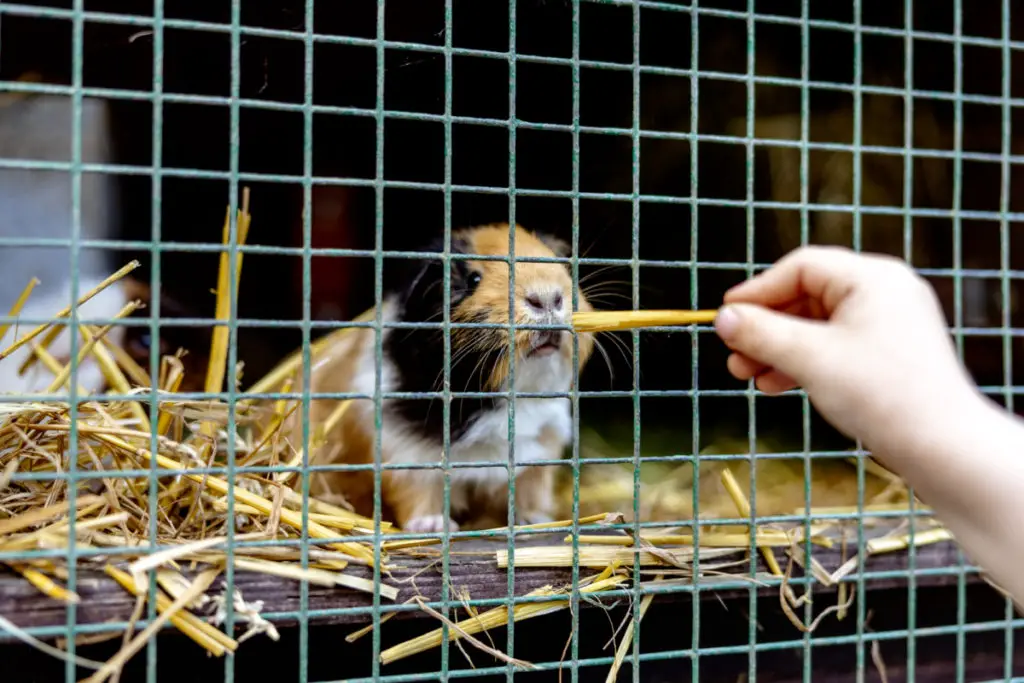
(560, 247)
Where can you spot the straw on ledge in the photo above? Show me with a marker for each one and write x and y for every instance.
(112, 510)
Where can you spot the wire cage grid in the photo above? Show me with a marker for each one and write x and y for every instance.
(157, 246)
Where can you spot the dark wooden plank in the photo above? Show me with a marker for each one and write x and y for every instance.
(104, 601)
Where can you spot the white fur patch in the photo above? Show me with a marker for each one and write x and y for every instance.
(487, 440)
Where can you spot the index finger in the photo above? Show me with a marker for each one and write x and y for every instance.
(824, 273)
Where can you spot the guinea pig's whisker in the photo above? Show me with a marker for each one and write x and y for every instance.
(596, 291)
(594, 273)
(602, 288)
(607, 360)
(426, 290)
(603, 283)
(456, 358)
(602, 298)
(620, 345)
(477, 371)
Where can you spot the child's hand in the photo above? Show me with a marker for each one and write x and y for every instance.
(864, 335)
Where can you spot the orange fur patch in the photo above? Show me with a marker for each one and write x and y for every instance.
(492, 294)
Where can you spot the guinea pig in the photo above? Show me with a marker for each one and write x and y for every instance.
(413, 361)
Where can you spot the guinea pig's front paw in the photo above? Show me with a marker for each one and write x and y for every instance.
(428, 524)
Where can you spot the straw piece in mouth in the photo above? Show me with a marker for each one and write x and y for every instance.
(611, 321)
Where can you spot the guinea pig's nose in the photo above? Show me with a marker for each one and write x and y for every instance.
(548, 301)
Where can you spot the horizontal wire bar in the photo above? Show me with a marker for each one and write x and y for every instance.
(259, 323)
(483, 189)
(880, 635)
(86, 475)
(222, 470)
(495, 535)
(274, 250)
(269, 105)
(283, 34)
(341, 396)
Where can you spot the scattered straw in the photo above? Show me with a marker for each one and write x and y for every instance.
(356, 635)
(627, 637)
(214, 641)
(219, 346)
(463, 634)
(328, 426)
(114, 665)
(743, 508)
(591, 557)
(787, 608)
(889, 544)
(765, 538)
(55, 332)
(18, 305)
(561, 524)
(495, 618)
(61, 379)
(48, 649)
(47, 586)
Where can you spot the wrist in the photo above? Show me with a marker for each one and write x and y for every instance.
(963, 457)
(930, 426)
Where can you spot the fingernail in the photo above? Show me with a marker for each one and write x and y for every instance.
(727, 322)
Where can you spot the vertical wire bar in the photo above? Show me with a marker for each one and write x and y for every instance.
(635, 286)
(77, 68)
(637, 461)
(908, 254)
(156, 286)
(858, 124)
(307, 296)
(695, 602)
(231, 375)
(1004, 277)
(378, 329)
(751, 400)
(446, 400)
(511, 465)
(958, 124)
(232, 329)
(574, 388)
(805, 404)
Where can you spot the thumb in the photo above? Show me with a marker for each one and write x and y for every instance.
(784, 342)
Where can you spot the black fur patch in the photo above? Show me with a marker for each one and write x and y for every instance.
(419, 354)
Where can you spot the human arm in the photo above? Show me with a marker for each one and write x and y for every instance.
(865, 337)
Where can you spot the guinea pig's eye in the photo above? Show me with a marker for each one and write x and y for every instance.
(474, 279)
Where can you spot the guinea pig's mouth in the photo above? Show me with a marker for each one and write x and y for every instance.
(544, 343)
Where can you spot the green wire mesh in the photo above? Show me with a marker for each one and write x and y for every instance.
(576, 665)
